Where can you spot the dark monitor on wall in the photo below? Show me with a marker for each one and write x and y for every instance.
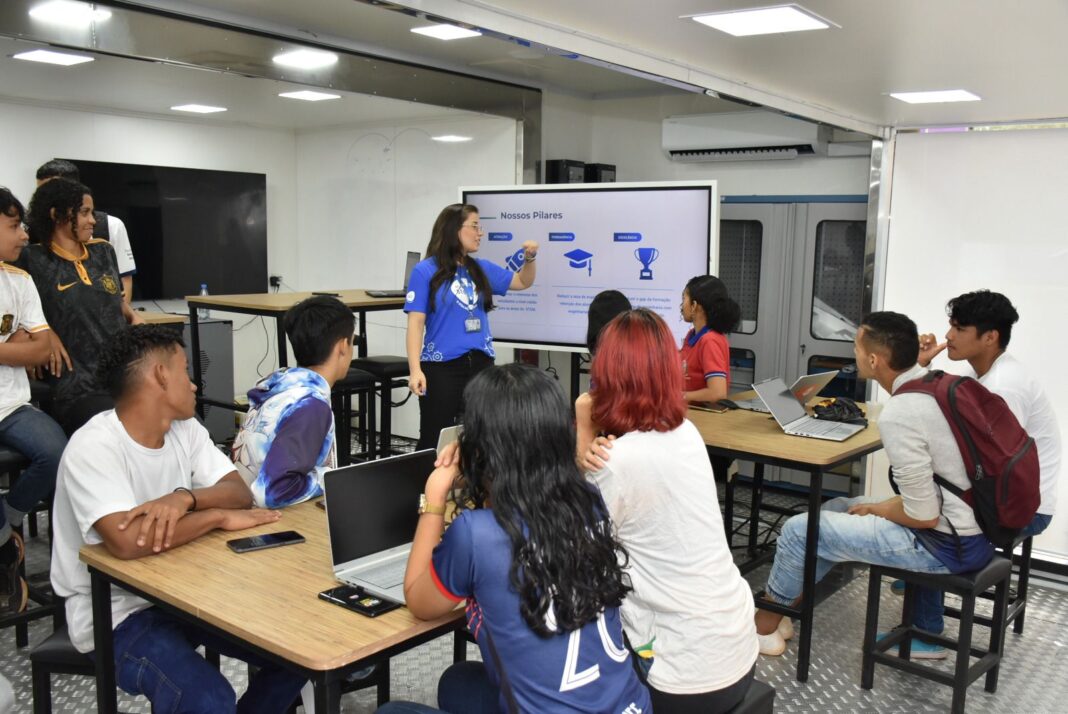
(186, 226)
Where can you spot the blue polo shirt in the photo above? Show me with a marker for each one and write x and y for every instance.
(446, 335)
(587, 670)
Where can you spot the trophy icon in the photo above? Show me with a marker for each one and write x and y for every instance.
(646, 256)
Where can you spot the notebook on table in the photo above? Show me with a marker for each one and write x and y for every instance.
(409, 263)
(372, 512)
(803, 389)
(793, 418)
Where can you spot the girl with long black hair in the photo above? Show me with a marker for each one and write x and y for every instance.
(533, 554)
(705, 353)
(450, 295)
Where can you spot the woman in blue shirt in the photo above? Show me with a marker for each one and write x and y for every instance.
(450, 294)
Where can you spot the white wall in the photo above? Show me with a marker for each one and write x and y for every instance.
(367, 194)
(34, 135)
(985, 210)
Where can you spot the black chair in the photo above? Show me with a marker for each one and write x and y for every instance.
(390, 372)
(1017, 599)
(41, 601)
(969, 586)
(361, 383)
(760, 699)
(56, 655)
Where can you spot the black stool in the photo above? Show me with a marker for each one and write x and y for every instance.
(12, 462)
(362, 383)
(1018, 600)
(56, 655)
(968, 586)
(760, 699)
(390, 372)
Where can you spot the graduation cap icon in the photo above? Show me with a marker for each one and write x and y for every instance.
(579, 258)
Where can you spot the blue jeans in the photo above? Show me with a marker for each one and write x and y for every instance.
(38, 437)
(844, 538)
(464, 688)
(155, 655)
(928, 611)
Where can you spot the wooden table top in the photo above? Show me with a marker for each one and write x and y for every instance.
(160, 318)
(756, 433)
(280, 302)
(268, 597)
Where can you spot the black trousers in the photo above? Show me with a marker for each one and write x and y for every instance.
(717, 702)
(443, 403)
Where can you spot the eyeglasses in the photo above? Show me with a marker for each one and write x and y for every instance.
(476, 226)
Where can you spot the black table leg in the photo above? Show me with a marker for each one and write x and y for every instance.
(754, 507)
(194, 352)
(361, 346)
(104, 644)
(808, 587)
(283, 351)
(327, 696)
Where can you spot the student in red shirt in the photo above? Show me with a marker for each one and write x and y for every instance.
(705, 353)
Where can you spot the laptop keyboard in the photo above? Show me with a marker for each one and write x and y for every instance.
(386, 575)
(817, 427)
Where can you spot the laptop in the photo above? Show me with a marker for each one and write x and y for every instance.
(371, 513)
(793, 418)
(804, 388)
(409, 263)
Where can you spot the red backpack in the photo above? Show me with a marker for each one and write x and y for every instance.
(1000, 459)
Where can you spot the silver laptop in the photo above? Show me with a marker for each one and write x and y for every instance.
(409, 263)
(803, 389)
(793, 418)
(372, 511)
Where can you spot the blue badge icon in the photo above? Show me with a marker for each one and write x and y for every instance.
(515, 261)
(646, 256)
(579, 258)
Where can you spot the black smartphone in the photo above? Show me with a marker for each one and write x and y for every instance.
(314, 292)
(267, 540)
(359, 600)
(708, 407)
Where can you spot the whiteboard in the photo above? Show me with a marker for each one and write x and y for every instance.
(985, 210)
(644, 239)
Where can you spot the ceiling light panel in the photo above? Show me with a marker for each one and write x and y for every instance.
(306, 59)
(68, 13)
(309, 96)
(764, 20)
(936, 97)
(50, 57)
(198, 108)
(446, 32)
(451, 138)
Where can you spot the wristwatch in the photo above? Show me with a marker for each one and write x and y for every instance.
(426, 507)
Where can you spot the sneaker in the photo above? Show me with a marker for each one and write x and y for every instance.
(772, 645)
(786, 628)
(919, 649)
(14, 592)
(897, 587)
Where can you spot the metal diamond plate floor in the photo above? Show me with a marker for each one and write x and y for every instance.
(1033, 680)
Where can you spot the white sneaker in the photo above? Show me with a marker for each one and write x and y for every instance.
(786, 628)
(772, 645)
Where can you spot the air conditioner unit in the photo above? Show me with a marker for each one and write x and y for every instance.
(742, 136)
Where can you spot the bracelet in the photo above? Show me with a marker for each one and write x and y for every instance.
(191, 495)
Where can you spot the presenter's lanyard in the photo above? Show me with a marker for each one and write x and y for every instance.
(472, 323)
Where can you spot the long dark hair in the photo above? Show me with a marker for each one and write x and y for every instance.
(62, 195)
(517, 455)
(721, 311)
(604, 306)
(444, 247)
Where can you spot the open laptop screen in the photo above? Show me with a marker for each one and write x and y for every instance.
(780, 400)
(409, 264)
(373, 506)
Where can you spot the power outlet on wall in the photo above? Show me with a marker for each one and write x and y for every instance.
(275, 281)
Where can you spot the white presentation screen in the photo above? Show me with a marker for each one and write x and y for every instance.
(645, 240)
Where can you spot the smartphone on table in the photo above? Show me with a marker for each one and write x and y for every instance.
(359, 600)
(267, 540)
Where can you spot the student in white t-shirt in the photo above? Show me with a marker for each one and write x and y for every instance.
(141, 479)
(690, 614)
(23, 427)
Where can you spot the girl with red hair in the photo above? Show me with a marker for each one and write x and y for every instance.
(690, 614)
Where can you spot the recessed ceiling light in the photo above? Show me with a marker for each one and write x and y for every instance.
(309, 96)
(50, 57)
(198, 108)
(764, 20)
(451, 138)
(306, 59)
(446, 32)
(937, 96)
(69, 13)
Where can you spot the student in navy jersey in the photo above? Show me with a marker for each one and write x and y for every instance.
(450, 295)
(705, 353)
(534, 557)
